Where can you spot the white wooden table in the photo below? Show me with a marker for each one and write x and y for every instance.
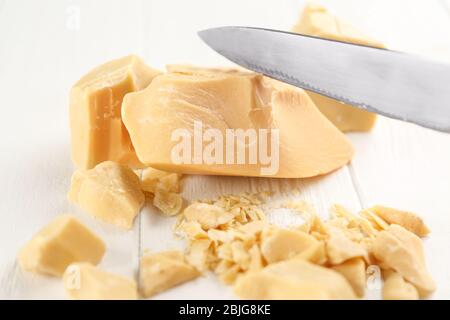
(45, 46)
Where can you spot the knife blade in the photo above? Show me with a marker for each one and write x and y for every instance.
(394, 84)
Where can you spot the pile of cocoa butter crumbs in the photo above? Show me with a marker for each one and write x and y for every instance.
(325, 259)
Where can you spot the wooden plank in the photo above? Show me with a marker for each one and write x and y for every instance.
(384, 163)
(446, 4)
(407, 167)
(47, 53)
(157, 230)
(171, 26)
(170, 33)
(413, 26)
(43, 53)
(399, 164)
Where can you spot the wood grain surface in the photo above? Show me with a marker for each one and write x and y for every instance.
(45, 46)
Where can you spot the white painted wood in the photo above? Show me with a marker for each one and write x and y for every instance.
(170, 33)
(42, 53)
(399, 164)
(157, 231)
(446, 5)
(414, 26)
(171, 26)
(407, 167)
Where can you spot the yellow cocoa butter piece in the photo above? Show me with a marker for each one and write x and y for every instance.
(209, 216)
(282, 244)
(97, 131)
(164, 270)
(169, 203)
(408, 220)
(63, 241)
(110, 192)
(293, 279)
(178, 104)
(402, 251)
(153, 179)
(354, 271)
(317, 21)
(396, 288)
(83, 281)
(340, 248)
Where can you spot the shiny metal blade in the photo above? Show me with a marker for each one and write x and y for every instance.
(394, 84)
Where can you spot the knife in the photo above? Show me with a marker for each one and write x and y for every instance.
(394, 84)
